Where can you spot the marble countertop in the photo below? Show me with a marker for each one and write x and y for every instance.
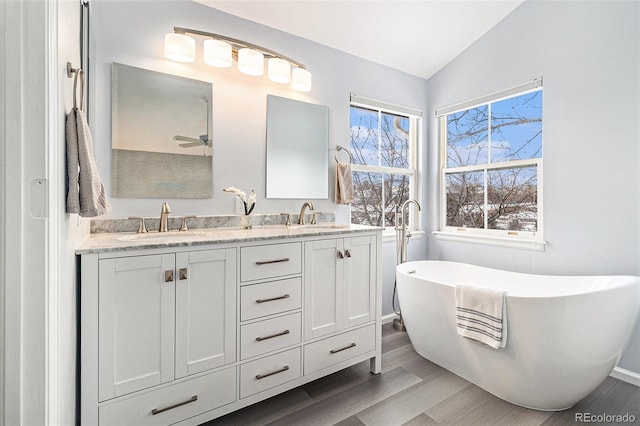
(123, 241)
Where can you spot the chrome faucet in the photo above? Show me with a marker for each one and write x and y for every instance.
(302, 210)
(164, 214)
(404, 235)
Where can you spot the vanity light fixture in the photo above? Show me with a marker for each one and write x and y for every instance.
(219, 51)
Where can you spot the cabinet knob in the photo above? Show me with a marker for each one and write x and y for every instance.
(182, 274)
(340, 254)
(347, 253)
(168, 276)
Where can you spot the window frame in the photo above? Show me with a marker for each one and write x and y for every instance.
(509, 238)
(415, 118)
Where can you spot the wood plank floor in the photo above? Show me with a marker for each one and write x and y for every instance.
(412, 391)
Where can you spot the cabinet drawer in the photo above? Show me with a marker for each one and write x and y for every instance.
(173, 403)
(268, 261)
(269, 335)
(269, 372)
(264, 299)
(333, 350)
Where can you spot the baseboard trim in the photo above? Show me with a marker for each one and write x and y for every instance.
(626, 376)
(386, 319)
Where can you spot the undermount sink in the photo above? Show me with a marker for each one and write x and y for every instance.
(161, 235)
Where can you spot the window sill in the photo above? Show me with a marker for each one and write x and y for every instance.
(520, 243)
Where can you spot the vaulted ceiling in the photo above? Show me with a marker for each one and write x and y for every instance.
(418, 37)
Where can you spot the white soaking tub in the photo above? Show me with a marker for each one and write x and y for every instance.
(565, 333)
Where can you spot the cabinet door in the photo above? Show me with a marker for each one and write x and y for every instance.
(323, 277)
(205, 310)
(136, 323)
(359, 280)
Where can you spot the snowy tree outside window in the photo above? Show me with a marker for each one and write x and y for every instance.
(383, 147)
(492, 166)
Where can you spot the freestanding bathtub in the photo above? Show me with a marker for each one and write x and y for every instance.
(564, 336)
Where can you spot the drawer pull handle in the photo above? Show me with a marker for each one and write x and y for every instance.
(282, 370)
(284, 296)
(282, 333)
(155, 411)
(268, 262)
(335, 351)
(168, 276)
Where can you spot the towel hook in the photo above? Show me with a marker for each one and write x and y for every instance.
(78, 73)
(71, 70)
(341, 148)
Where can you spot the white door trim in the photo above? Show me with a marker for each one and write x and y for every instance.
(54, 163)
(29, 272)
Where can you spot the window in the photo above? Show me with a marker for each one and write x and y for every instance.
(491, 165)
(383, 146)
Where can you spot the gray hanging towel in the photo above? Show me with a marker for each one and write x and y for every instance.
(86, 195)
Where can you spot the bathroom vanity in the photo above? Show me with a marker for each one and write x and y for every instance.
(186, 327)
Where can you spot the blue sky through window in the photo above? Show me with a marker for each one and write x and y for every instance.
(516, 131)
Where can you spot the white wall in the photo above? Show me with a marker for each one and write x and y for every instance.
(133, 34)
(589, 56)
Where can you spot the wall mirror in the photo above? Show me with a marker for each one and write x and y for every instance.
(161, 143)
(297, 149)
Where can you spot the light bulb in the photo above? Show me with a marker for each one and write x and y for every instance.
(279, 70)
(250, 61)
(179, 47)
(301, 80)
(217, 53)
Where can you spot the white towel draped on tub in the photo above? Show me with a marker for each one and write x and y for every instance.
(86, 194)
(481, 314)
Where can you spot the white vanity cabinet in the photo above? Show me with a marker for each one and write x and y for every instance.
(160, 317)
(338, 290)
(136, 323)
(163, 317)
(185, 334)
(339, 295)
(271, 319)
(205, 310)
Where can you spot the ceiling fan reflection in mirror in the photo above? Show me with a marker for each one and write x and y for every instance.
(202, 140)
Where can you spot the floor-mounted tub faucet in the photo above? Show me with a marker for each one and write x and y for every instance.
(403, 230)
(402, 239)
